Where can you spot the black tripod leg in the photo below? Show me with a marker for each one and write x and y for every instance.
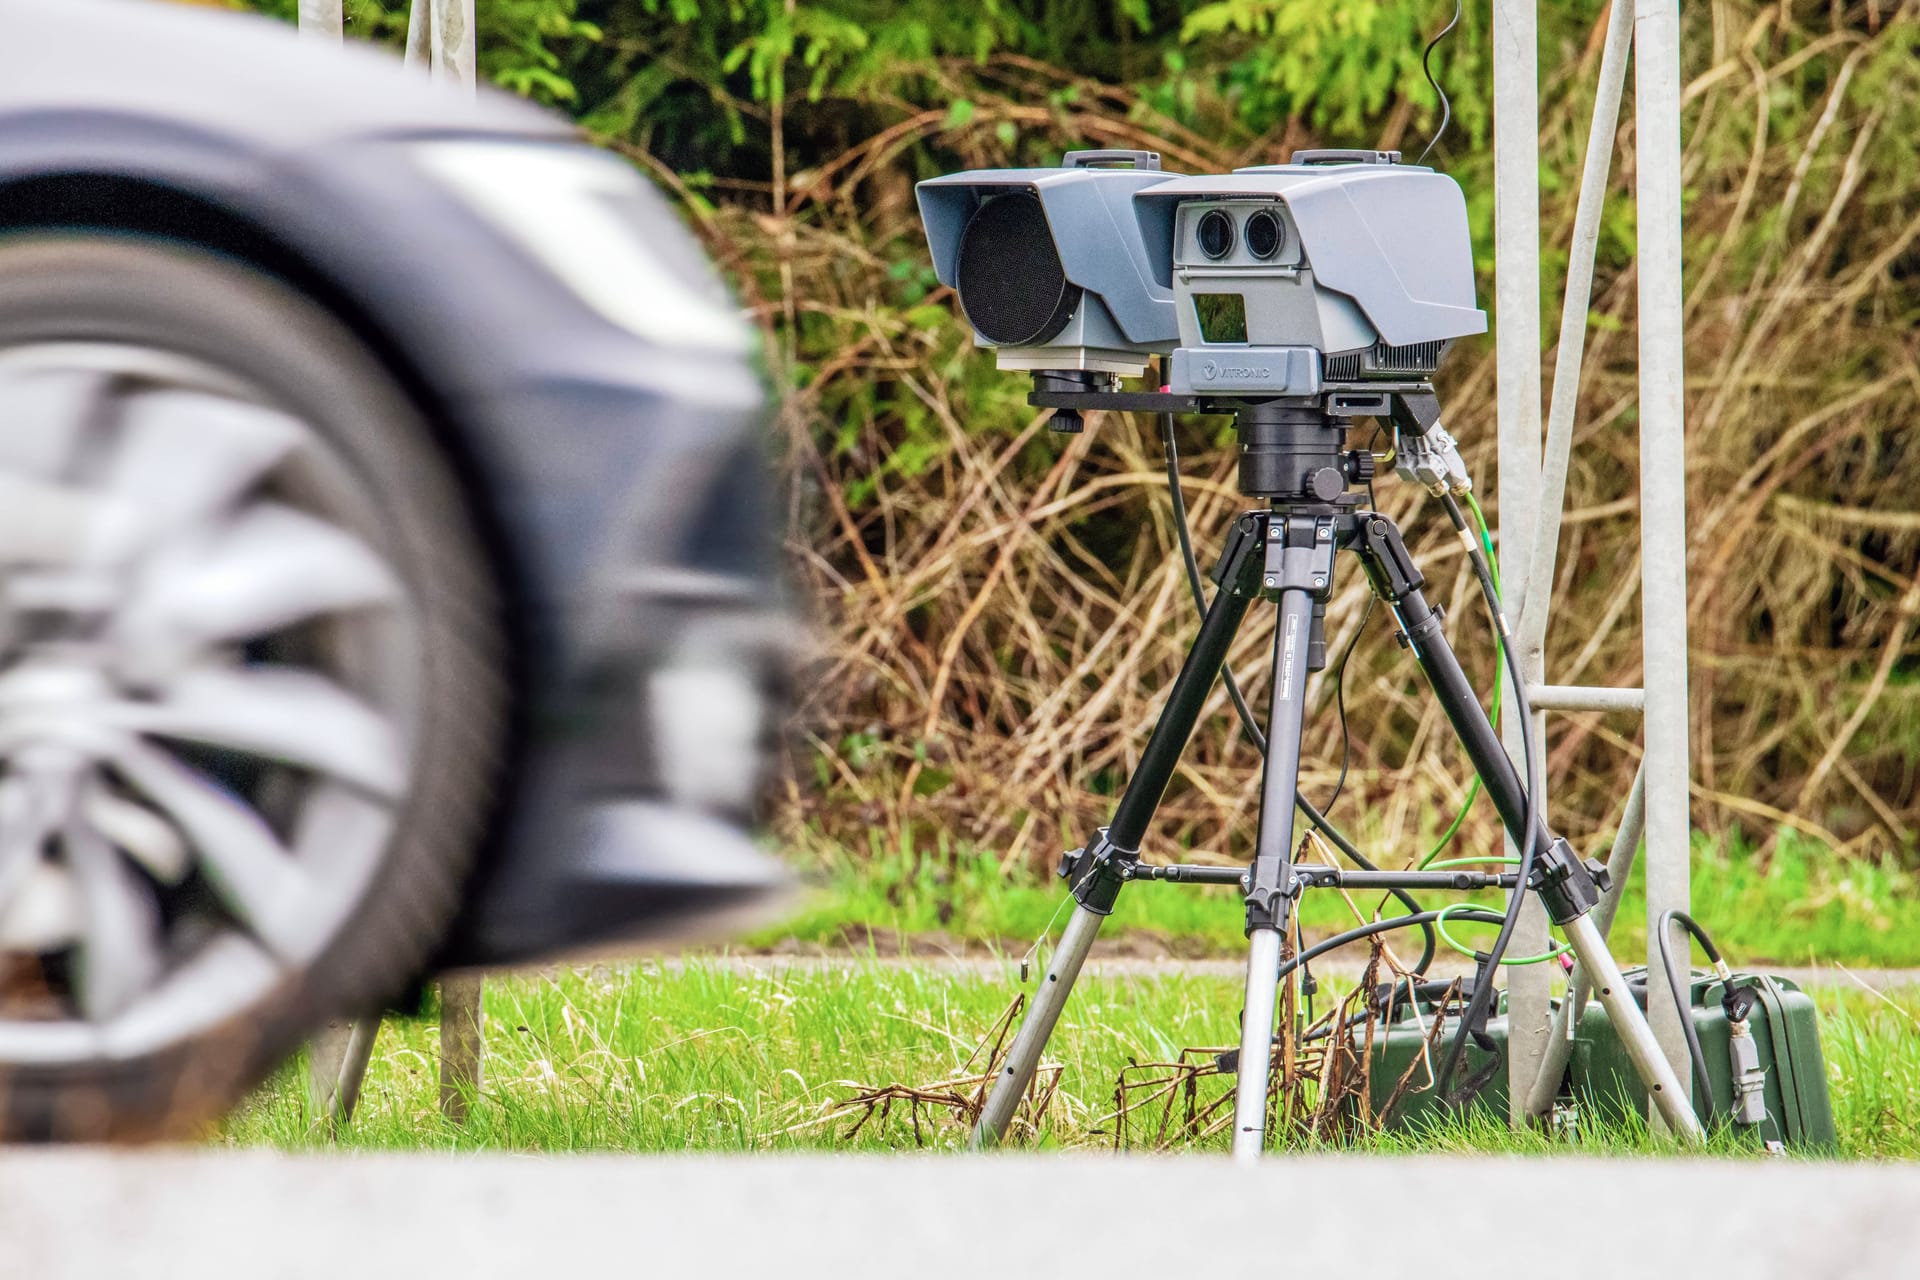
(1567, 886)
(1095, 873)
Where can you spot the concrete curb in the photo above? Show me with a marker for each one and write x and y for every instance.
(202, 1216)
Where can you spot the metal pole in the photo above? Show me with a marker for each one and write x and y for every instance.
(1131, 816)
(326, 1053)
(339, 1056)
(1566, 1019)
(322, 18)
(1666, 1089)
(1273, 856)
(452, 42)
(1663, 488)
(462, 1044)
(1573, 327)
(419, 18)
(1516, 218)
(1024, 1057)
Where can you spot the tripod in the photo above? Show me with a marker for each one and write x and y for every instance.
(1293, 456)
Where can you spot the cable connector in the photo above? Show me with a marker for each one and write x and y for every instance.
(1749, 1077)
(1431, 460)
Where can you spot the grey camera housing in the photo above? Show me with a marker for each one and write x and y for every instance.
(1125, 312)
(1373, 276)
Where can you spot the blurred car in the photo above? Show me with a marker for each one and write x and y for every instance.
(387, 555)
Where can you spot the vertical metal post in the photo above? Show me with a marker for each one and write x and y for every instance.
(327, 1053)
(462, 1043)
(338, 1059)
(1516, 218)
(1570, 352)
(418, 20)
(1663, 487)
(322, 18)
(451, 42)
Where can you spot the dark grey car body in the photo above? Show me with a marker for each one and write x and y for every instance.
(620, 484)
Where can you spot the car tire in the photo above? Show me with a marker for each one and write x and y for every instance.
(136, 329)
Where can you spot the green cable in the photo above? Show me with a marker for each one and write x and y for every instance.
(1440, 925)
(1473, 790)
(1440, 921)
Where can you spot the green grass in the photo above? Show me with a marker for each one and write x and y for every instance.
(707, 1056)
(1801, 906)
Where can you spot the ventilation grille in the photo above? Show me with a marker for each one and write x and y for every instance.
(1415, 357)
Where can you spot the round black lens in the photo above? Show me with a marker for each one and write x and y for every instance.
(1012, 284)
(1215, 233)
(1265, 235)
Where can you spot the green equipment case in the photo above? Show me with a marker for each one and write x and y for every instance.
(1789, 1076)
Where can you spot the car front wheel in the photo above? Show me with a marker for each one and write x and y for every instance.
(251, 705)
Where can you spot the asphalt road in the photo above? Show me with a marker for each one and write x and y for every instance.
(206, 1216)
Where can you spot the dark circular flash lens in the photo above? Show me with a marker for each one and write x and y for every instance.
(1215, 233)
(1012, 286)
(1265, 235)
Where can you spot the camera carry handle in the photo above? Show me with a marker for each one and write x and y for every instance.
(1101, 159)
(1343, 155)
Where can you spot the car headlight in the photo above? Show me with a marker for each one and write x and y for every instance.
(594, 223)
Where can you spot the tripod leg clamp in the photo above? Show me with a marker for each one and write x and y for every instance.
(1237, 572)
(1095, 873)
(1269, 906)
(1569, 887)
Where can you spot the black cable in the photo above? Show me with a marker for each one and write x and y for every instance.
(1340, 668)
(1340, 702)
(1426, 68)
(1430, 940)
(1529, 849)
(1472, 915)
(1683, 998)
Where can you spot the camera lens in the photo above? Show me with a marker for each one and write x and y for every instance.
(1264, 233)
(1012, 284)
(1215, 234)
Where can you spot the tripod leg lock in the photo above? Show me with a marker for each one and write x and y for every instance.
(1237, 572)
(1569, 887)
(1270, 906)
(1384, 553)
(1095, 873)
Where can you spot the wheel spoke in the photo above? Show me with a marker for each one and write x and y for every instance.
(47, 524)
(284, 714)
(26, 821)
(268, 569)
(120, 946)
(144, 835)
(43, 414)
(254, 874)
(187, 456)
